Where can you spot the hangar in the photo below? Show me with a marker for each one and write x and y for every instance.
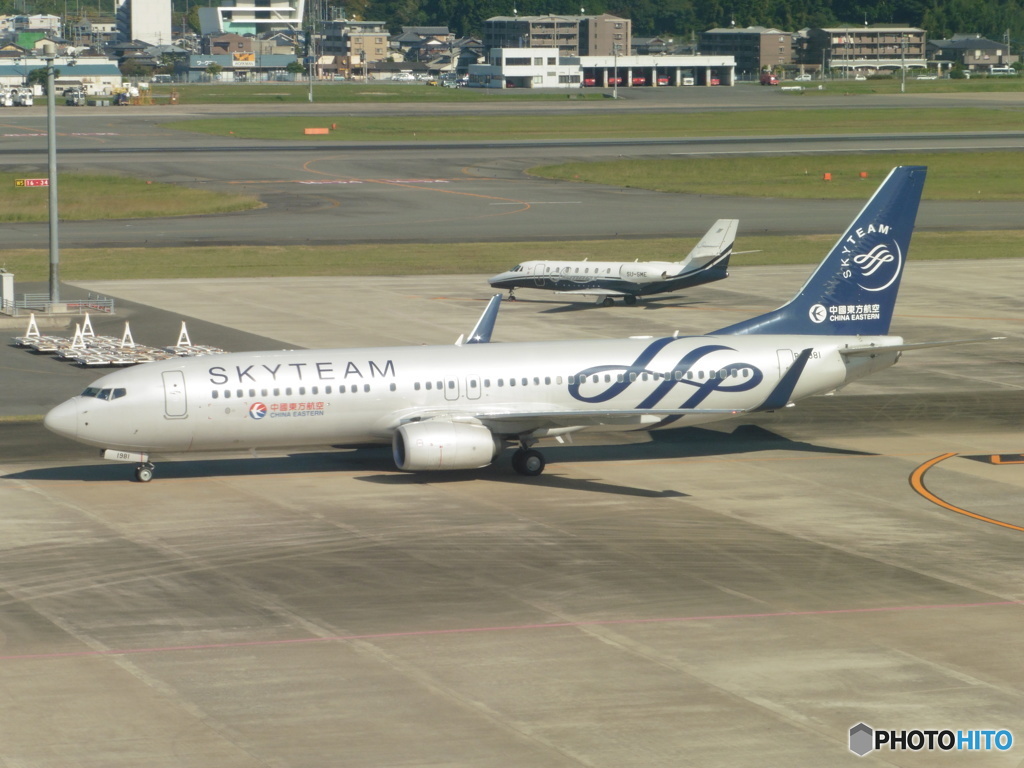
(543, 68)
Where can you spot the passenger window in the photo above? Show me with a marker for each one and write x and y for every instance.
(240, 393)
(501, 382)
(524, 382)
(607, 378)
(341, 389)
(428, 385)
(277, 392)
(315, 391)
(547, 380)
(416, 386)
(263, 393)
(632, 375)
(392, 386)
(252, 393)
(472, 384)
(227, 394)
(366, 387)
(327, 389)
(302, 390)
(288, 390)
(511, 382)
(215, 394)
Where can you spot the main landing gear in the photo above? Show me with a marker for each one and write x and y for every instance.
(528, 462)
(144, 472)
(607, 301)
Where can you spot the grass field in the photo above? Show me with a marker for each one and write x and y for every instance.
(458, 258)
(970, 176)
(612, 126)
(383, 91)
(349, 93)
(84, 197)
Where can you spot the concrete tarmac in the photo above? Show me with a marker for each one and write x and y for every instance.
(731, 596)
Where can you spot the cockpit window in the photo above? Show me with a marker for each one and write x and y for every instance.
(105, 394)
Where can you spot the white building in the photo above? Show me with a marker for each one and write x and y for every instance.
(542, 68)
(524, 68)
(251, 17)
(145, 20)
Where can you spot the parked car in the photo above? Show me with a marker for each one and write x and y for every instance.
(767, 78)
(664, 81)
(639, 81)
(804, 78)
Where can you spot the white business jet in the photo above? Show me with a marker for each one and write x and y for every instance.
(458, 407)
(608, 280)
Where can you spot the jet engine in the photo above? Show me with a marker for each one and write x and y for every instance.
(426, 445)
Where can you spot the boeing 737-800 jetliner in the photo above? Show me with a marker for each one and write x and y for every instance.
(608, 280)
(457, 407)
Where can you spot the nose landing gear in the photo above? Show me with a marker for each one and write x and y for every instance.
(144, 472)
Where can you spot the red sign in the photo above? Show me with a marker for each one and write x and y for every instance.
(31, 182)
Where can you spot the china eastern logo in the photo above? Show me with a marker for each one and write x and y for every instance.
(873, 267)
(257, 411)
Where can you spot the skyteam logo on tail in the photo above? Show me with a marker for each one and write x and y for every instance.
(876, 268)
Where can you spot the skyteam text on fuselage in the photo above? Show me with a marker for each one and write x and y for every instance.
(459, 406)
(608, 280)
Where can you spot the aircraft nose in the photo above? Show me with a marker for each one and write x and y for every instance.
(63, 420)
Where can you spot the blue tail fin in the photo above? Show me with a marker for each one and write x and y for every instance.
(853, 291)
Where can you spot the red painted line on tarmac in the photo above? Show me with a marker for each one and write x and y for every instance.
(509, 628)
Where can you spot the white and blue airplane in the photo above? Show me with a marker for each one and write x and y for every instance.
(608, 280)
(458, 407)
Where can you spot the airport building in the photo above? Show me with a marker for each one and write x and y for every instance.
(543, 68)
(754, 48)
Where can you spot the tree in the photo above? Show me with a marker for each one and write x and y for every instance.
(39, 76)
(295, 67)
(214, 70)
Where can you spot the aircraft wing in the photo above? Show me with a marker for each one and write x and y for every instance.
(593, 292)
(528, 421)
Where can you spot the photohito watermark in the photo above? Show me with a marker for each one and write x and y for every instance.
(865, 739)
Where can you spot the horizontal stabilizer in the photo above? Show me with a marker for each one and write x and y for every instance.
(870, 350)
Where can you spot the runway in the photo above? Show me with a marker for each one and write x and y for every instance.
(460, 192)
(736, 596)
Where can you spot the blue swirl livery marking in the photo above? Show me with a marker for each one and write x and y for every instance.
(723, 382)
(879, 264)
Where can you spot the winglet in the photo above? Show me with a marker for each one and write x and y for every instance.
(779, 397)
(481, 333)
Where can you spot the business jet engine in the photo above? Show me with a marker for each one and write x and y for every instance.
(426, 445)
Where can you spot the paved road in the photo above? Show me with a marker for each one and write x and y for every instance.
(737, 596)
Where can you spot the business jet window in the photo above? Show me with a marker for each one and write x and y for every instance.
(621, 378)
(607, 378)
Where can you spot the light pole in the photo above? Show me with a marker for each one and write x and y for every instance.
(49, 55)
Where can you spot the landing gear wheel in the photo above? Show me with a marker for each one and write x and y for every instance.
(608, 301)
(528, 462)
(144, 473)
(630, 301)
(512, 294)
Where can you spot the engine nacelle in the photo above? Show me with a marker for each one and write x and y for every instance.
(426, 445)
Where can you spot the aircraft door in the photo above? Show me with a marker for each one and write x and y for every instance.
(473, 387)
(175, 401)
(786, 358)
(539, 272)
(451, 388)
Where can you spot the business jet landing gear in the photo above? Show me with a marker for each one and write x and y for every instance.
(511, 294)
(630, 300)
(607, 301)
(144, 472)
(528, 462)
